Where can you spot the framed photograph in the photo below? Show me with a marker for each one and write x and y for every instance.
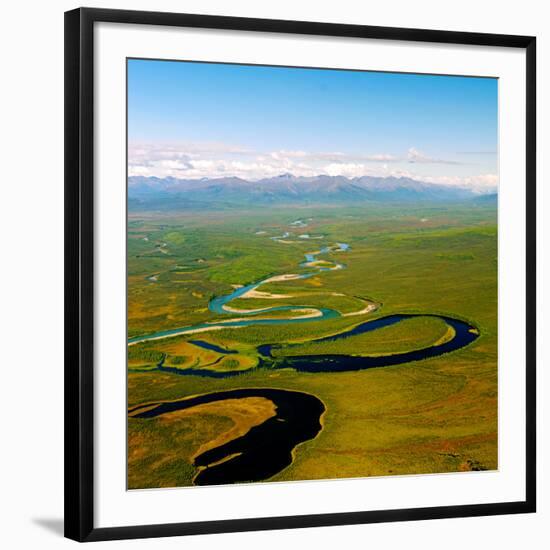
(300, 274)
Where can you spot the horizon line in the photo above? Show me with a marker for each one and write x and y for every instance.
(289, 174)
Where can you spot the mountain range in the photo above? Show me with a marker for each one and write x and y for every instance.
(169, 192)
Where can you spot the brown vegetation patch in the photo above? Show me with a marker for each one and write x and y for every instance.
(244, 413)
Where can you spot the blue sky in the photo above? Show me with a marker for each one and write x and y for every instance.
(206, 120)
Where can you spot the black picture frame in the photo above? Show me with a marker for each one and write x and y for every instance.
(79, 272)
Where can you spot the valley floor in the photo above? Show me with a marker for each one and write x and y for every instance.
(429, 416)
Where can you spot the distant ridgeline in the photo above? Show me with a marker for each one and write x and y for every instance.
(169, 193)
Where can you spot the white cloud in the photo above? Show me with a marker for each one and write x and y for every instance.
(382, 158)
(416, 156)
(196, 160)
(212, 160)
(481, 183)
(350, 170)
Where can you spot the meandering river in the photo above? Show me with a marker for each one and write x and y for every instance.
(463, 334)
(266, 449)
(218, 305)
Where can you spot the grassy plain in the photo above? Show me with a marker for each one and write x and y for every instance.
(408, 335)
(436, 415)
